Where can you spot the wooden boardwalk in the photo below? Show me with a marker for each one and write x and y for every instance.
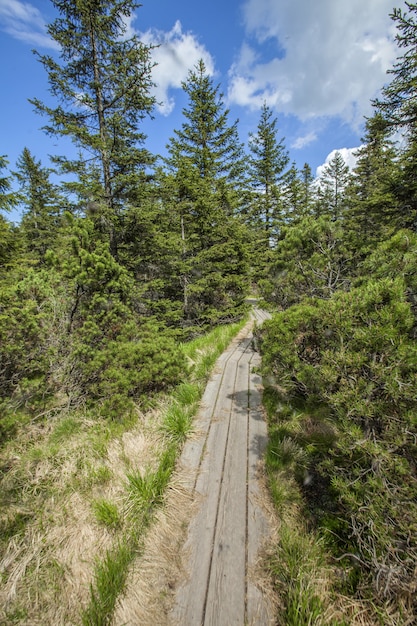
(225, 536)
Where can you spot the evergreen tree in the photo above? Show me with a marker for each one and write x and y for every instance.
(206, 139)
(7, 197)
(307, 189)
(205, 172)
(370, 198)
(266, 167)
(399, 104)
(41, 202)
(103, 84)
(332, 184)
(297, 193)
(398, 107)
(8, 244)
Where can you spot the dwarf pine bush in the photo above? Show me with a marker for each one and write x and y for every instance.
(355, 355)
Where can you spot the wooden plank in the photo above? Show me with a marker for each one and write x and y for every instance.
(191, 598)
(227, 587)
(225, 535)
(258, 610)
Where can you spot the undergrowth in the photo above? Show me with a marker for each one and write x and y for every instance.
(78, 493)
(316, 578)
(145, 490)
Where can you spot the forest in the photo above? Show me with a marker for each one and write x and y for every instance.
(131, 256)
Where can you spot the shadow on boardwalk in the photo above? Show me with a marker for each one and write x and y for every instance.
(229, 528)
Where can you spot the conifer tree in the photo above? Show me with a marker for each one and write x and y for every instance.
(205, 166)
(7, 197)
(398, 107)
(398, 103)
(206, 139)
(297, 192)
(41, 203)
(267, 164)
(307, 189)
(333, 181)
(370, 195)
(102, 82)
(7, 236)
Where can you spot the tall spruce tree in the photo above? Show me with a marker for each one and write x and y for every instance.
(102, 81)
(205, 166)
(399, 103)
(206, 138)
(372, 206)
(40, 201)
(267, 164)
(297, 193)
(332, 185)
(7, 197)
(7, 236)
(398, 106)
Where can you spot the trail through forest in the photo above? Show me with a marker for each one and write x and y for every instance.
(201, 563)
(227, 532)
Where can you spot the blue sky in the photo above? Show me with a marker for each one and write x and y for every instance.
(317, 64)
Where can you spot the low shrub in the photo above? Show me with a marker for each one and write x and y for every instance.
(355, 356)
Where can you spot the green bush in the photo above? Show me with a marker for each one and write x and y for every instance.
(355, 355)
(311, 260)
(130, 366)
(32, 316)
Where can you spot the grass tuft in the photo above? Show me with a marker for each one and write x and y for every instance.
(106, 513)
(110, 578)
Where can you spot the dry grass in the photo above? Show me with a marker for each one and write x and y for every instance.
(47, 565)
(51, 539)
(149, 595)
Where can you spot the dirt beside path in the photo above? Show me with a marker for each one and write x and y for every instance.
(201, 560)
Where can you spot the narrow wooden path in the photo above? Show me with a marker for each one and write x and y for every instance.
(229, 528)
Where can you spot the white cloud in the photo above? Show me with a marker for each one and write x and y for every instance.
(335, 59)
(23, 21)
(178, 52)
(349, 157)
(306, 140)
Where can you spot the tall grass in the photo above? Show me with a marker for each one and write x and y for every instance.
(109, 579)
(145, 490)
(68, 475)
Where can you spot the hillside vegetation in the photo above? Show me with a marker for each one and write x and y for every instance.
(124, 261)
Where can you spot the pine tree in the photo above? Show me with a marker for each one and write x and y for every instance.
(266, 169)
(398, 107)
(205, 171)
(297, 192)
(332, 184)
(398, 104)
(371, 202)
(206, 139)
(41, 202)
(103, 83)
(8, 243)
(7, 197)
(307, 190)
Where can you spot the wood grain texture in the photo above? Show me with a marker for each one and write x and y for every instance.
(229, 527)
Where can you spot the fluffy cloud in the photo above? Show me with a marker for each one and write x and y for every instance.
(305, 140)
(176, 54)
(23, 21)
(331, 57)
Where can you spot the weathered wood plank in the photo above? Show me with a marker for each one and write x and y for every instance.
(258, 610)
(191, 599)
(222, 458)
(227, 584)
